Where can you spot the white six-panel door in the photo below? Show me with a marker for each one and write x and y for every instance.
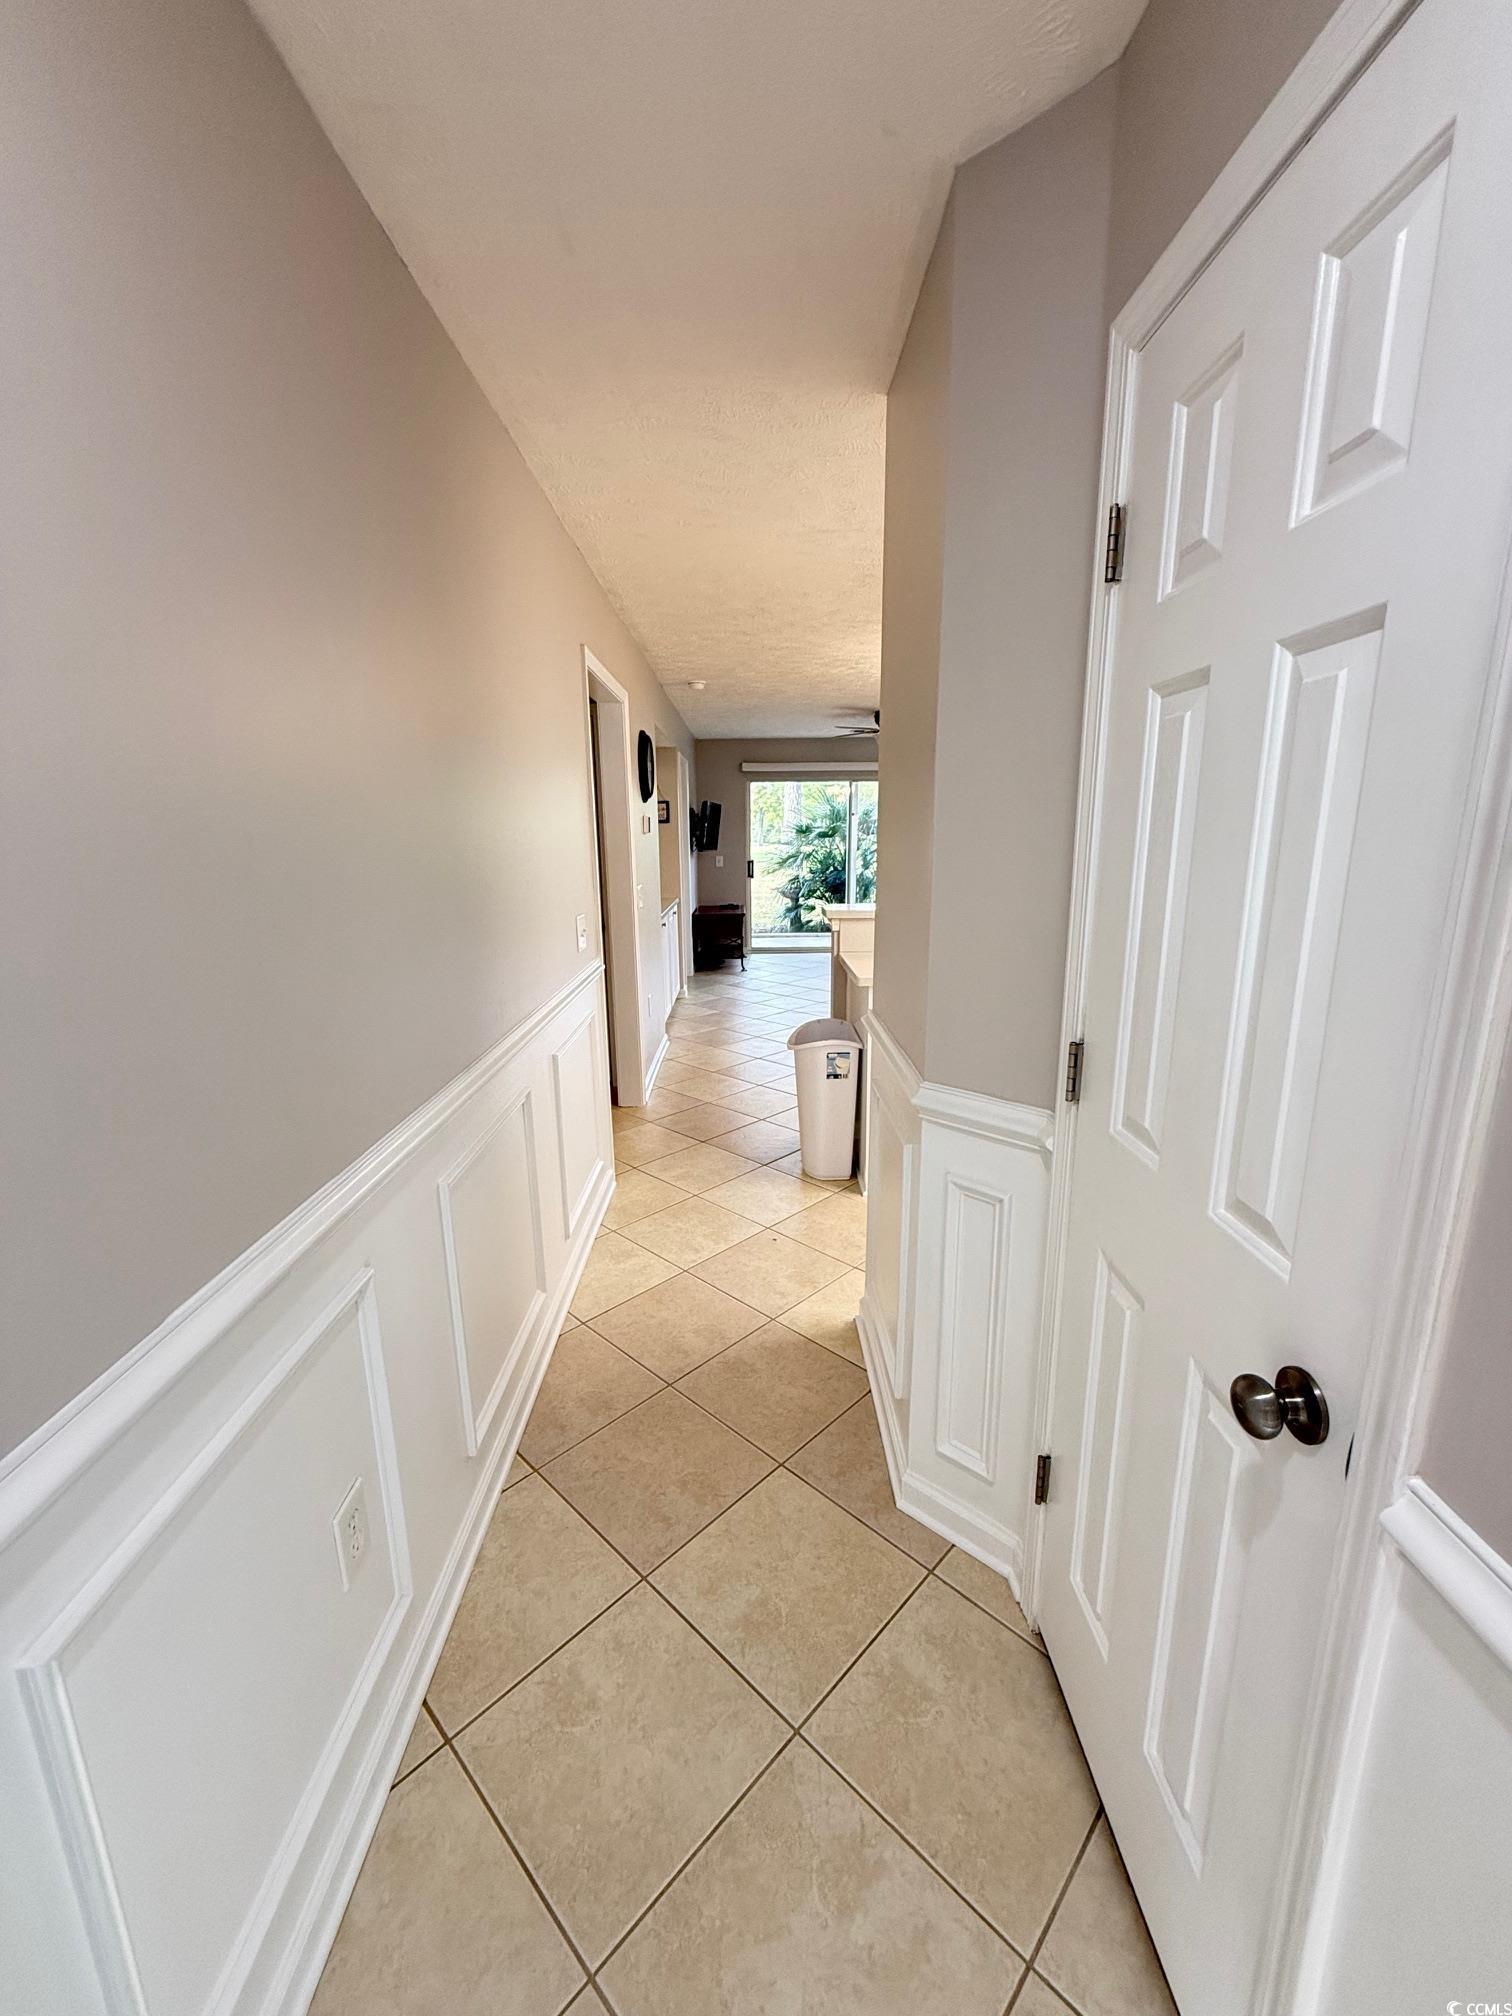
(1319, 504)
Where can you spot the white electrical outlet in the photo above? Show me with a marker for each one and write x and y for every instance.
(719, 860)
(350, 1531)
(582, 924)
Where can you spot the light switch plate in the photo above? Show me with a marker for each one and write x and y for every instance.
(582, 931)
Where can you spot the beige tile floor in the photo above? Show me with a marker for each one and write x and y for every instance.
(698, 1742)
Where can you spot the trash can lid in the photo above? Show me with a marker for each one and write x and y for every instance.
(807, 1034)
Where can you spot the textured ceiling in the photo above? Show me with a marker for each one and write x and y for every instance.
(678, 243)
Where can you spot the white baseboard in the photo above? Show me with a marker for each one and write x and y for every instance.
(291, 1992)
(992, 1542)
(949, 1323)
(198, 1723)
(875, 1356)
(657, 1061)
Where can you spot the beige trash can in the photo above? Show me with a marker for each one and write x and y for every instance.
(827, 1060)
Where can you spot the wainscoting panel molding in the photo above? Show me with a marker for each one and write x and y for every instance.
(885, 1318)
(495, 1260)
(580, 1102)
(202, 1700)
(949, 1322)
(1415, 1911)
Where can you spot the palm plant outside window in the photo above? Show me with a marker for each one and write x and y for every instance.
(812, 842)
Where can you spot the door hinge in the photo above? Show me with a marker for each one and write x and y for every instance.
(750, 871)
(1113, 555)
(1074, 1050)
(1041, 1479)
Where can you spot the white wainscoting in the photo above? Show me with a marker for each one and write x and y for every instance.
(1413, 1913)
(949, 1323)
(198, 1722)
(885, 1320)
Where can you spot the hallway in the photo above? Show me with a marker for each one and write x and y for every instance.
(716, 1726)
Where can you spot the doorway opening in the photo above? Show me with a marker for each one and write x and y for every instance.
(603, 894)
(676, 855)
(813, 843)
(607, 723)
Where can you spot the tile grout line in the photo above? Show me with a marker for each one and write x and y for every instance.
(912, 1846)
(641, 1916)
(451, 1735)
(1011, 1629)
(795, 1726)
(609, 1308)
(675, 1385)
(1052, 1914)
(846, 1266)
(703, 1841)
(795, 1730)
(588, 1322)
(926, 1571)
(782, 1463)
(529, 1874)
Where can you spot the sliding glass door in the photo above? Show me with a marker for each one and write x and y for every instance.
(812, 842)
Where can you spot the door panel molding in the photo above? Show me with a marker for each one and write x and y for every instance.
(1470, 1025)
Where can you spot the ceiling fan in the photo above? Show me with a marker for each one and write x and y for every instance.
(868, 726)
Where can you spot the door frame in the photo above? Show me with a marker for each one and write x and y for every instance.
(1469, 1023)
(850, 775)
(621, 927)
(682, 793)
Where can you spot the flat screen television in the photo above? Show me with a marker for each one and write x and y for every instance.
(705, 824)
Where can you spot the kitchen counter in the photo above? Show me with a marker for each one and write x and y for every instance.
(851, 964)
(852, 928)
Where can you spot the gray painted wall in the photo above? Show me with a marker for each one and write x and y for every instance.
(292, 785)
(717, 775)
(1027, 360)
(1194, 78)
(1469, 1430)
(912, 571)
(993, 426)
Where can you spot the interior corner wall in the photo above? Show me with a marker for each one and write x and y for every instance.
(988, 545)
(1469, 1421)
(717, 775)
(912, 571)
(293, 821)
(1028, 351)
(1195, 77)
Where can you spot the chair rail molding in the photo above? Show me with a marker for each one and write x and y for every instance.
(1424, 1775)
(1456, 1563)
(949, 1323)
(169, 1556)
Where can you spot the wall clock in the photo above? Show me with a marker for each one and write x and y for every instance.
(645, 752)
